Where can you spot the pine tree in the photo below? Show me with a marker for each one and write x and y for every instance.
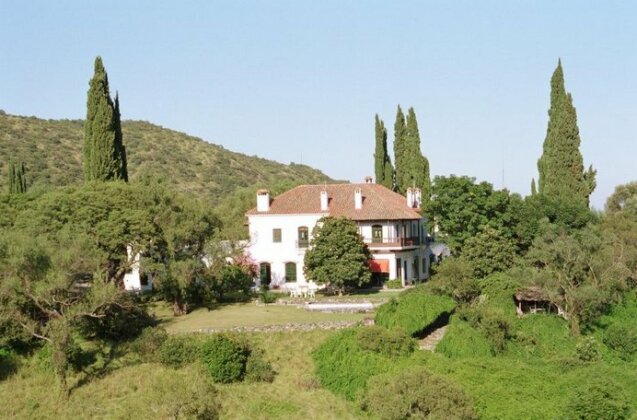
(400, 132)
(17, 178)
(104, 153)
(382, 163)
(561, 166)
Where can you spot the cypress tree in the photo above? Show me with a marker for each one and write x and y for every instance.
(533, 189)
(382, 163)
(400, 133)
(561, 166)
(416, 165)
(120, 149)
(104, 153)
(17, 178)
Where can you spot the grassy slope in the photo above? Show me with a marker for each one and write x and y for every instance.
(52, 151)
(142, 391)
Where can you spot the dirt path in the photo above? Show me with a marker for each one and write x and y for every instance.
(430, 341)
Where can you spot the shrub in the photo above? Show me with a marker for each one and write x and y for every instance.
(386, 342)
(267, 297)
(148, 343)
(461, 340)
(413, 311)
(621, 338)
(8, 363)
(394, 284)
(491, 322)
(418, 394)
(600, 398)
(258, 369)
(587, 350)
(178, 351)
(344, 367)
(225, 358)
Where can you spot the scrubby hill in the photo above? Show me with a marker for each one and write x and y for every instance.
(52, 150)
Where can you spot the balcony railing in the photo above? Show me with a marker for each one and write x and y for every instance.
(392, 242)
(302, 243)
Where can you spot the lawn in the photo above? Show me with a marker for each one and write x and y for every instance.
(245, 315)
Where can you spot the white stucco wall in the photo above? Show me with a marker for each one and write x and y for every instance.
(132, 278)
(263, 249)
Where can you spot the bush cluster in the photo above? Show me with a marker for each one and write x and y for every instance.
(413, 311)
(390, 343)
(416, 394)
(492, 323)
(394, 284)
(347, 359)
(622, 338)
(228, 359)
(148, 343)
(177, 351)
(599, 398)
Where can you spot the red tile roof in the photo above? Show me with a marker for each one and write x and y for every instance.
(379, 202)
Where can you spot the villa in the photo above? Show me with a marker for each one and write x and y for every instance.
(390, 224)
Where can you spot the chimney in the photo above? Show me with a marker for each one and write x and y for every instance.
(410, 197)
(263, 201)
(324, 200)
(358, 198)
(413, 198)
(368, 180)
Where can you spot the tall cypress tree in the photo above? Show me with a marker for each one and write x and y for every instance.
(382, 163)
(400, 133)
(17, 178)
(120, 149)
(561, 166)
(416, 172)
(104, 153)
(533, 188)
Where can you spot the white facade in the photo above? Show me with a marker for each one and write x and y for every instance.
(277, 242)
(134, 279)
(264, 249)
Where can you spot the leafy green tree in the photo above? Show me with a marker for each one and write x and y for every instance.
(623, 199)
(561, 166)
(582, 272)
(400, 148)
(382, 163)
(489, 251)
(17, 178)
(43, 289)
(454, 278)
(460, 208)
(337, 256)
(104, 152)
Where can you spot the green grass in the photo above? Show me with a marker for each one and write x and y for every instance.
(148, 390)
(246, 315)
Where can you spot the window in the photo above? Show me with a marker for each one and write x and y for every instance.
(290, 271)
(276, 235)
(377, 234)
(303, 237)
(265, 273)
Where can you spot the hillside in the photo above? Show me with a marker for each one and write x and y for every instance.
(52, 151)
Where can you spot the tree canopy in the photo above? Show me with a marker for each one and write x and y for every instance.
(383, 168)
(337, 256)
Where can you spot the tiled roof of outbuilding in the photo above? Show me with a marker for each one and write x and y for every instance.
(379, 202)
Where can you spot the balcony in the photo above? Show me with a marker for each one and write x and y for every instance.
(392, 242)
(302, 243)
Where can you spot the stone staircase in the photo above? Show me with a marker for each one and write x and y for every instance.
(429, 342)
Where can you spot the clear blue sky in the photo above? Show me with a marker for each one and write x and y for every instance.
(300, 81)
